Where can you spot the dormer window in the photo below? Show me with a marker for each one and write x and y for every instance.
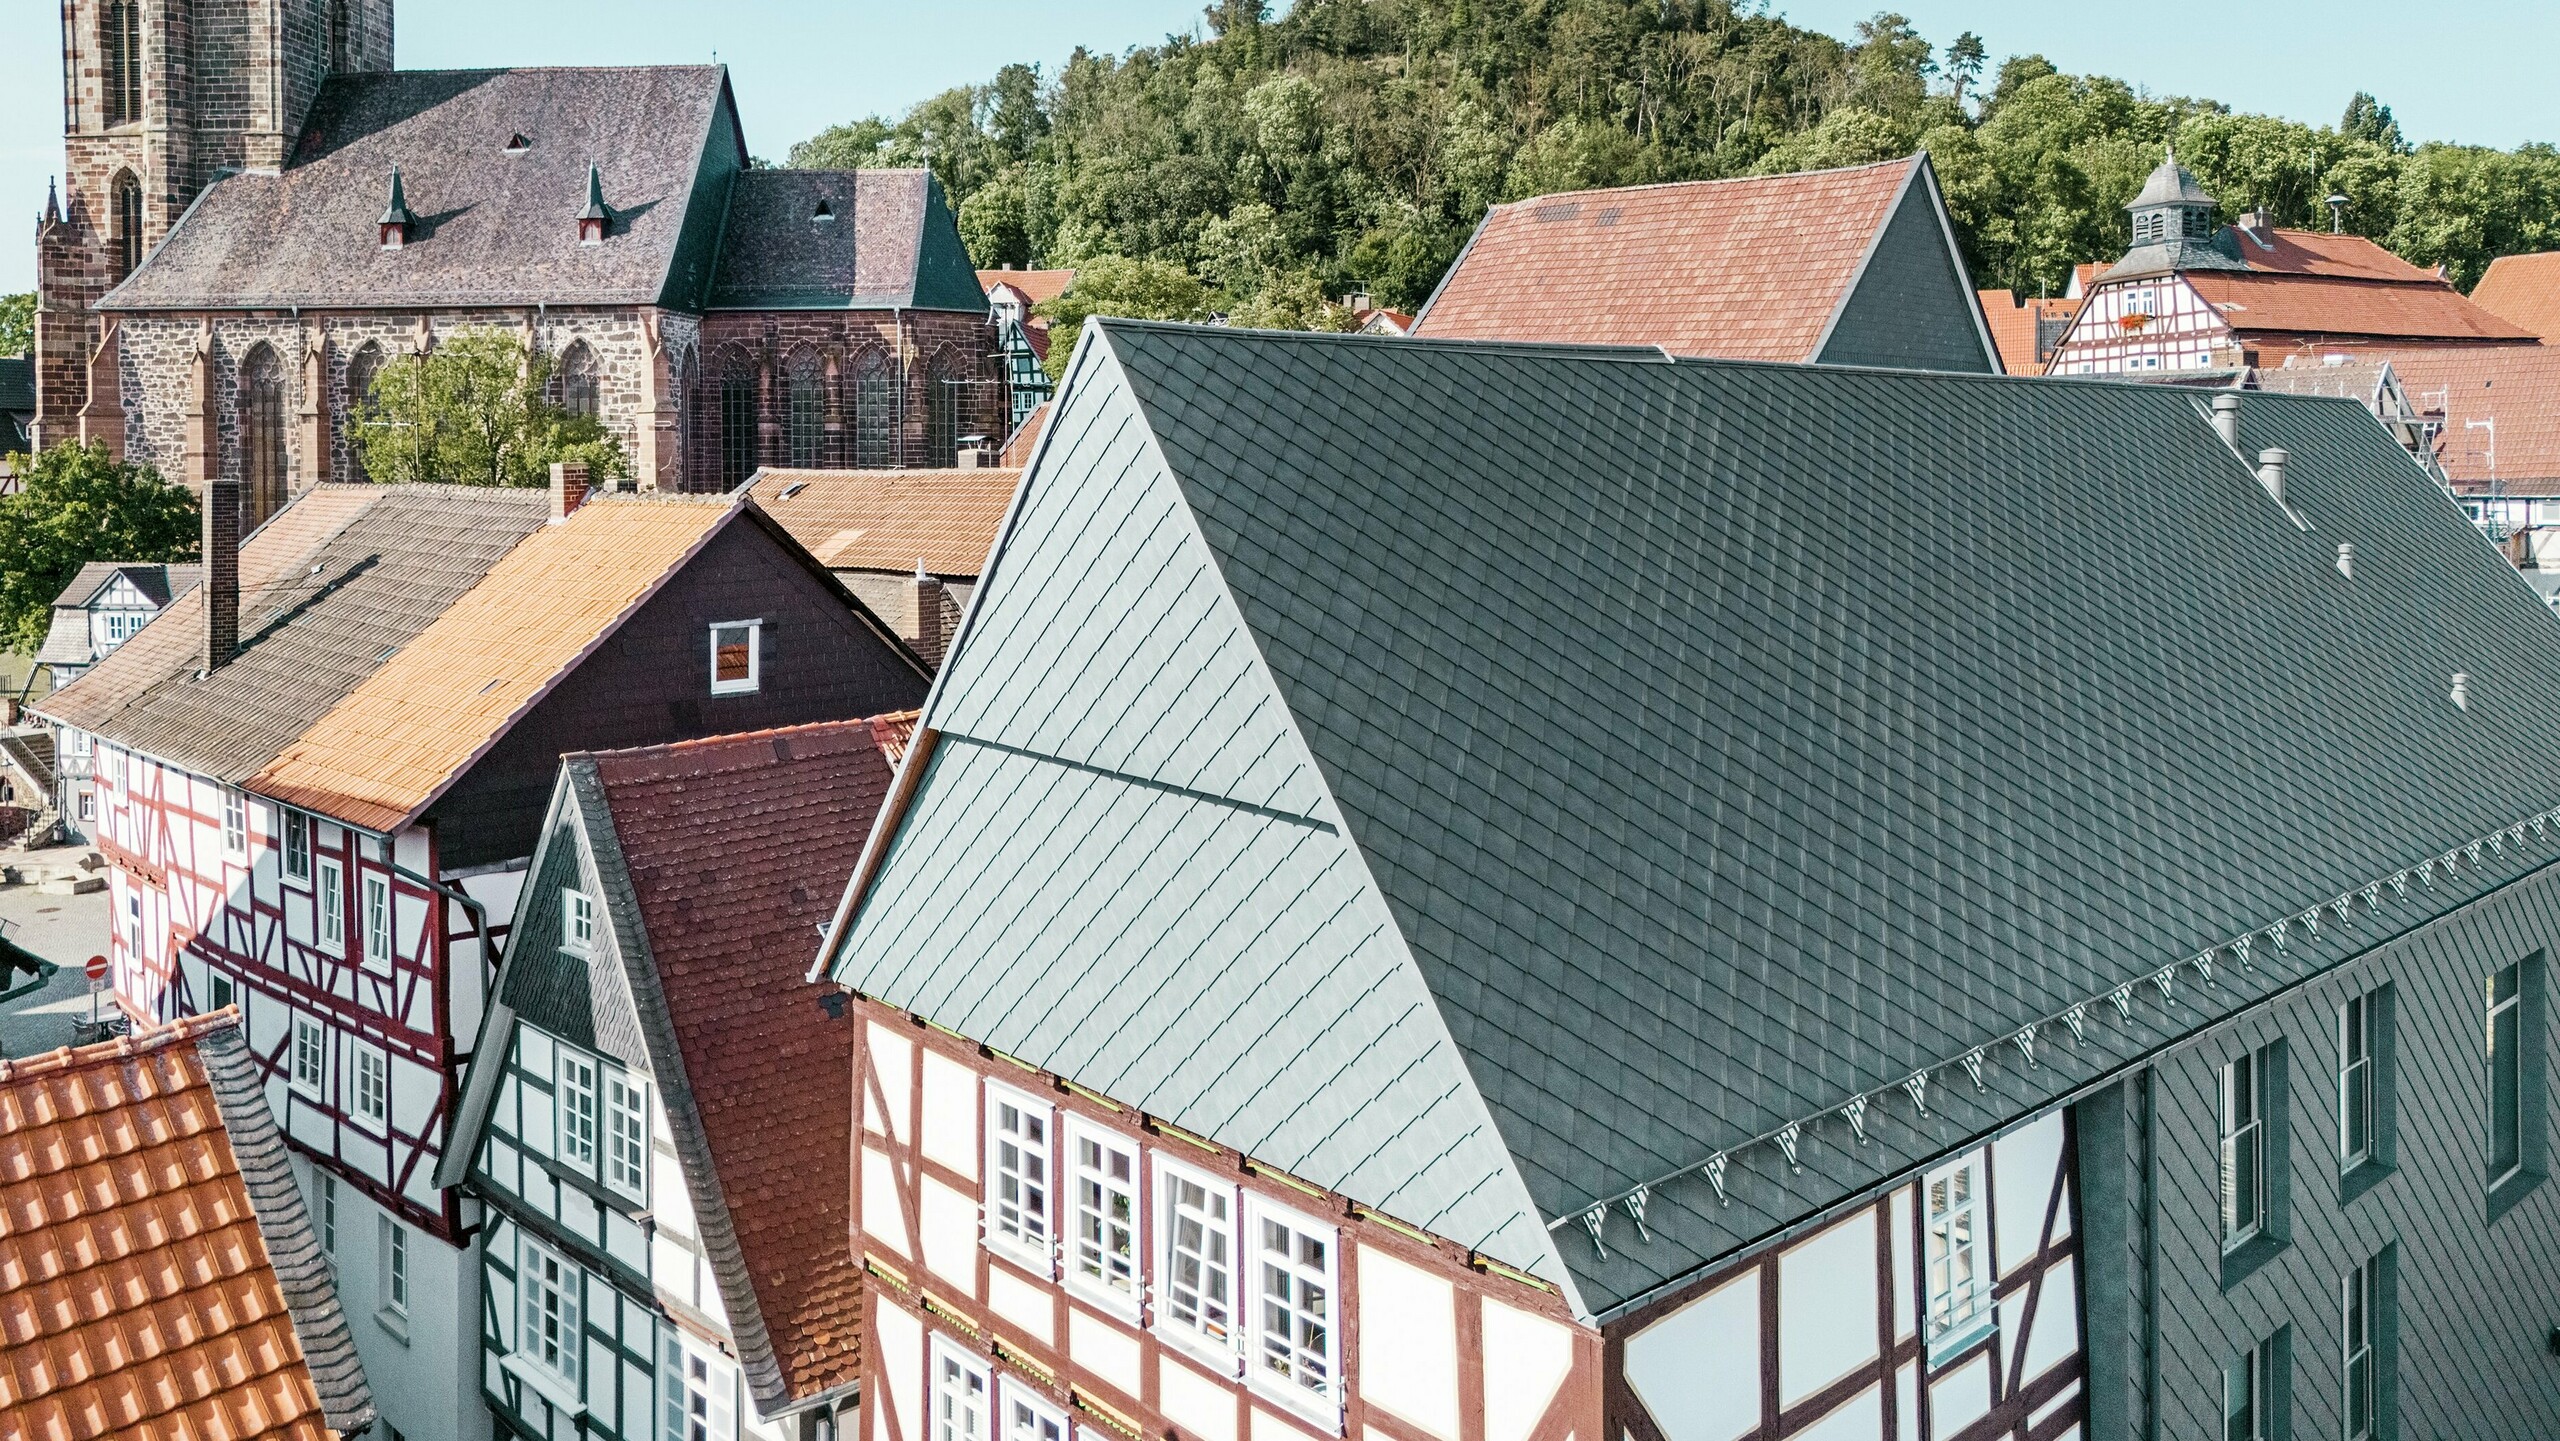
(825, 214)
(595, 219)
(397, 221)
(517, 144)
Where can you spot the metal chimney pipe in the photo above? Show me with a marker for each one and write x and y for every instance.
(2226, 419)
(2271, 473)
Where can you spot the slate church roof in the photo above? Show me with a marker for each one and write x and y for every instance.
(1638, 815)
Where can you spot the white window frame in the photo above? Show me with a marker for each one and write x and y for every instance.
(626, 1134)
(1256, 1267)
(235, 824)
(2358, 1357)
(1197, 1338)
(755, 658)
(326, 1209)
(577, 1115)
(679, 1356)
(395, 1268)
(1083, 1214)
(369, 1093)
(1023, 1414)
(133, 923)
(1957, 1277)
(2508, 1010)
(296, 841)
(1009, 1222)
(551, 1290)
(376, 922)
(949, 1368)
(329, 901)
(2355, 1081)
(577, 921)
(2243, 1129)
(309, 1042)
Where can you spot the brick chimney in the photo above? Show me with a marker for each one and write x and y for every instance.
(568, 488)
(929, 638)
(221, 571)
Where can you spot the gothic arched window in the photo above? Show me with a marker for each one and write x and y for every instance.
(946, 398)
(807, 420)
(575, 380)
(366, 364)
(875, 413)
(262, 438)
(128, 223)
(737, 423)
(120, 44)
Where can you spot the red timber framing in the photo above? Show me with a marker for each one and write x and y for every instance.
(1426, 1310)
(200, 923)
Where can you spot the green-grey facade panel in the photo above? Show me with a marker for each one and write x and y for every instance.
(1912, 306)
(945, 280)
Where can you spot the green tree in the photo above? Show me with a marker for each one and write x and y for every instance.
(1118, 285)
(1964, 63)
(17, 323)
(81, 504)
(2369, 120)
(474, 411)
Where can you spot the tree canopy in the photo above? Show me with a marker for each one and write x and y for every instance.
(477, 411)
(81, 504)
(17, 323)
(1350, 145)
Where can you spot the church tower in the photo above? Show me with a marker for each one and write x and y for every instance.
(158, 96)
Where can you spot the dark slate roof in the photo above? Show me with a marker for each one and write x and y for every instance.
(156, 581)
(17, 384)
(891, 241)
(1700, 816)
(493, 227)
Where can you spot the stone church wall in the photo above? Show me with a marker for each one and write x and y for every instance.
(921, 346)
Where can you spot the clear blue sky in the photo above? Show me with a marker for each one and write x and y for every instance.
(2472, 70)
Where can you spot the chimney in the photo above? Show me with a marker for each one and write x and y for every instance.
(2226, 419)
(396, 219)
(221, 580)
(928, 615)
(593, 221)
(568, 488)
(2271, 473)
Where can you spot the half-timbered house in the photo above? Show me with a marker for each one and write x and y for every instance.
(1526, 937)
(662, 1134)
(322, 773)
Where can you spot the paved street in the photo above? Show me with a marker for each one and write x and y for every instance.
(65, 930)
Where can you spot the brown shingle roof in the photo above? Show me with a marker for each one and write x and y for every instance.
(158, 1277)
(1038, 286)
(736, 847)
(2523, 289)
(2320, 305)
(396, 740)
(2517, 387)
(891, 520)
(2321, 253)
(331, 587)
(1626, 267)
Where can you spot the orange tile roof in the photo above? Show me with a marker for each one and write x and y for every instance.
(2310, 305)
(891, 520)
(2318, 252)
(2524, 289)
(2514, 387)
(1017, 447)
(1749, 269)
(1039, 286)
(392, 745)
(895, 732)
(2013, 327)
(157, 1274)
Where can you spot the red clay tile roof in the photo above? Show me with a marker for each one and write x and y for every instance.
(895, 732)
(891, 520)
(737, 847)
(2013, 326)
(2314, 305)
(157, 1275)
(1039, 286)
(1622, 267)
(2517, 387)
(2338, 257)
(1017, 447)
(2524, 289)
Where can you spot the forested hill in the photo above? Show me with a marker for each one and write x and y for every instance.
(1352, 144)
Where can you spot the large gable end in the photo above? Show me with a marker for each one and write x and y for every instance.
(1912, 304)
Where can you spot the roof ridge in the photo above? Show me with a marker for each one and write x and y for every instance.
(1709, 180)
(64, 1059)
(738, 737)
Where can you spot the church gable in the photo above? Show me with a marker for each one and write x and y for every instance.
(1912, 305)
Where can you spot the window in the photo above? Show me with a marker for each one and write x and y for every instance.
(1102, 1179)
(133, 923)
(943, 396)
(235, 824)
(699, 1391)
(297, 845)
(2355, 1082)
(807, 415)
(736, 664)
(576, 380)
(361, 369)
(1196, 1277)
(547, 1293)
(220, 988)
(577, 921)
(875, 414)
(310, 1056)
(2506, 1073)
(1027, 1417)
(1018, 1175)
(89, 806)
(2246, 1412)
(338, 35)
(959, 1395)
(128, 241)
(120, 40)
(737, 425)
(328, 1217)
(373, 1087)
(377, 923)
(574, 1080)
(2244, 1160)
(626, 1136)
(262, 435)
(2362, 1288)
(395, 1267)
(330, 900)
(1959, 1274)
(1290, 1267)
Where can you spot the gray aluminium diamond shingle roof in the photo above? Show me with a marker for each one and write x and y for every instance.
(1742, 738)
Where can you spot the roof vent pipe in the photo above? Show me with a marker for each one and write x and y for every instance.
(2347, 559)
(2271, 473)
(2226, 419)
(2461, 696)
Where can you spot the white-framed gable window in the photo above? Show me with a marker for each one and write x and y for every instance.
(372, 1099)
(626, 1135)
(1289, 1266)
(297, 846)
(698, 1391)
(548, 1291)
(1018, 1176)
(1959, 1273)
(1029, 1416)
(310, 1057)
(1102, 1198)
(1195, 1285)
(737, 657)
(573, 1082)
(960, 1400)
(329, 901)
(377, 923)
(577, 922)
(235, 824)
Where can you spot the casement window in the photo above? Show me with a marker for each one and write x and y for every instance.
(395, 1267)
(133, 923)
(1959, 1273)
(220, 991)
(960, 1387)
(235, 824)
(297, 845)
(372, 1087)
(2355, 1082)
(329, 900)
(1289, 1266)
(310, 1057)
(2244, 1151)
(574, 1084)
(1102, 1249)
(2254, 1396)
(737, 662)
(2358, 1303)
(577, 922)
(377, 923)
(1195, 1258)
(697, 1390)
(626, 1135)
(1028, 1416)
(327, 1210)
(2506, 1073)
(1018, 1184)
(89, 807)
(548, 1290)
